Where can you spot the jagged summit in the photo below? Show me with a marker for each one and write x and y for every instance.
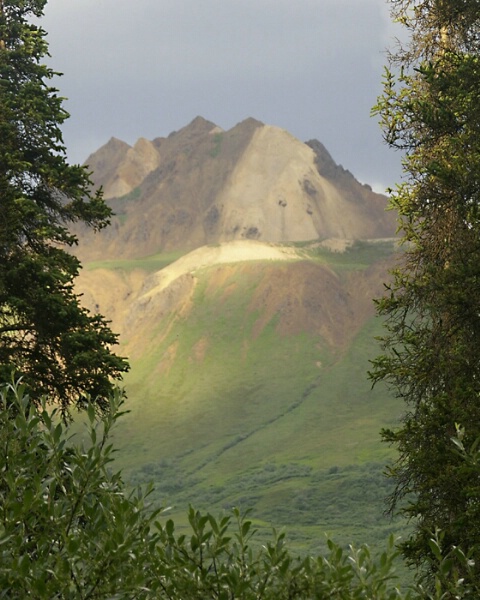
(203, 185)
(326, 166)
(198, 126)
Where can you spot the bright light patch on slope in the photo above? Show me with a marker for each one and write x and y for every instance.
(207, 256)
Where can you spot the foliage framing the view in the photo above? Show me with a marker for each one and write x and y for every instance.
(67, 527)
(45, 334)
(430, 109)
(70, 530)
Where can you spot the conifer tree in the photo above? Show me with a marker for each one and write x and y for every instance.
(45, 334)
(430, 109)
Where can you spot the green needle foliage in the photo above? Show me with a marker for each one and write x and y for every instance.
(45, 334)
(430, 109)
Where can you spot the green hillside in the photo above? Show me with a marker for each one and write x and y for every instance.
(230, 407)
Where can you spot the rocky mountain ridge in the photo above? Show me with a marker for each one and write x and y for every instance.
(202, 185)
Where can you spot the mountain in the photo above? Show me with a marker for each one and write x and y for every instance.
(239, 271)
(202, 185)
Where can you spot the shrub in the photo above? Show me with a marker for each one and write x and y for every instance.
(68, 529)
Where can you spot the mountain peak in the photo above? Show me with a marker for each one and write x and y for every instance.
(113, 148)
(199, 125)
(202, 185)
(250, 122)
(105, 162)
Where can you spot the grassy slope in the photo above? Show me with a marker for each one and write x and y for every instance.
(276, 424)
(148, 264)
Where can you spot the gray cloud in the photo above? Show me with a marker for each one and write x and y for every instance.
(148, 67)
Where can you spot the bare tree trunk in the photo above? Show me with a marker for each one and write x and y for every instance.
(2, 41)
(445, 39)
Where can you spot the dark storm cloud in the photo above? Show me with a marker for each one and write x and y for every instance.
(148, 67)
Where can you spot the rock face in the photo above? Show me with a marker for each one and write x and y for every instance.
(202, 185)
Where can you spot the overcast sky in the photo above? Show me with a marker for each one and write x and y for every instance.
(136, 68)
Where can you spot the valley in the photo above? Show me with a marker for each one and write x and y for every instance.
(249, 355)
